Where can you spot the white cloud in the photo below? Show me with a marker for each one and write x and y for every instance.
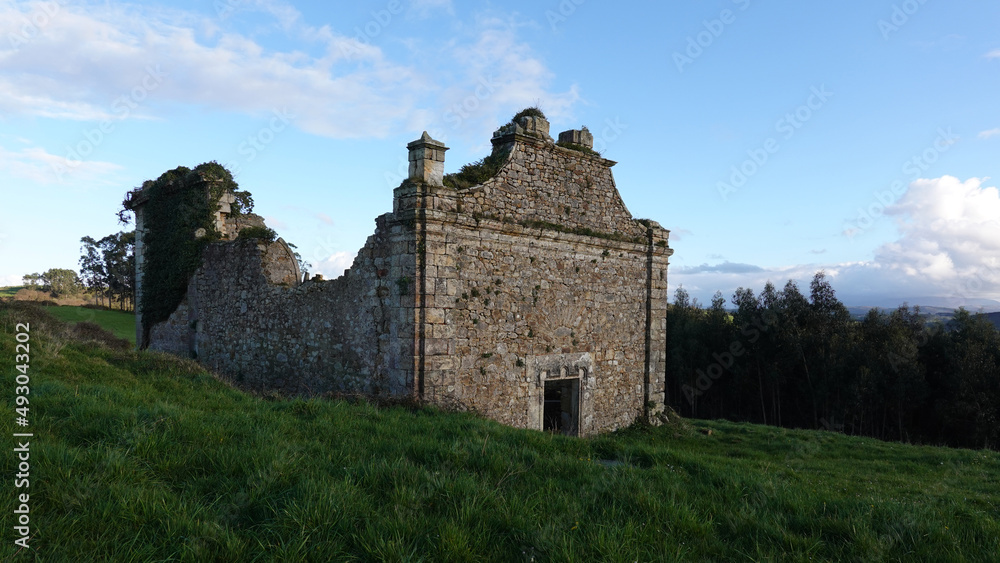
(91, 62)
(275, 223)
(11, 280)
(498, 75)
(680, 234)
(994, 54)
(334, 265)
(37, 165)
(989, 133)
(88, 63)
(948, 248)
(950, 236)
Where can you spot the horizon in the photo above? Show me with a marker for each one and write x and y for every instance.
(772, 140)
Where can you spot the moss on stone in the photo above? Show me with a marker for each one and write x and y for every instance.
(578, 148)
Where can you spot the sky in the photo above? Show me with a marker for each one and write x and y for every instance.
(774, 139)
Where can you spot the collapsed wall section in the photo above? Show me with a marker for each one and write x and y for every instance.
(243, 318)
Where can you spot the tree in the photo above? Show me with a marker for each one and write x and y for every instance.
(786, 360)
(108, 267)
(60, 281)
(974, 414)
(92, 268)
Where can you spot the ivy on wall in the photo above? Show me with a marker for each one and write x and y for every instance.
(179, 220)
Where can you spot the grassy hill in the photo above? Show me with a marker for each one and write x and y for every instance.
(118, 323)
(10, 292)
(140, 457)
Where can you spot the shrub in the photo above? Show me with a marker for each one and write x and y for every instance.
(266, 234)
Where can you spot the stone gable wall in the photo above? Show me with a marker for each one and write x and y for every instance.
(544, 182)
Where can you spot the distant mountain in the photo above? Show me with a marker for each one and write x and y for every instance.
(974, 305)
(995, 317)
(943, 314)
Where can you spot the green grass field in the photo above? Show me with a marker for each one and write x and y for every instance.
(139, 456)
(118, 323)
(9, 292)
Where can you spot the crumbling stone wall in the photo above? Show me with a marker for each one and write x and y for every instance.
(246, 318)
(533, 293)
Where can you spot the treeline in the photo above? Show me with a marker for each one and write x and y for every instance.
(107, 267)
(57, 282)
(787, 360)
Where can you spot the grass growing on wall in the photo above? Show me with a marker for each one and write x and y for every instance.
(477, 172)
(144, 457)
(532, 111)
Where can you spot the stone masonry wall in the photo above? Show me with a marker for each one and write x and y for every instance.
(545, 182)
(472, 298)
(506, 297)
(352, 334)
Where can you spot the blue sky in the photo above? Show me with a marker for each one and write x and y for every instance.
(774, 139)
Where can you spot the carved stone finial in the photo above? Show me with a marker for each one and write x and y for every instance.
(427, 160)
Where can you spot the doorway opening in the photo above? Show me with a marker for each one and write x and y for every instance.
(562, 406)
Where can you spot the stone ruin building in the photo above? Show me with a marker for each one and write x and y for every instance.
(533, 298)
